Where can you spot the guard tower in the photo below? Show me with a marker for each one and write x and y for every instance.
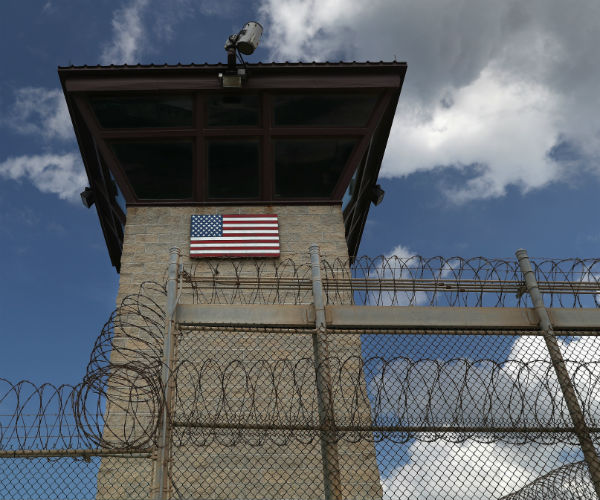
(303, 142)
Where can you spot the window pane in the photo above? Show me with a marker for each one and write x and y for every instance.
(325, 110)
(309, 168)
(157, 170)
(232, 110)
(233, 168)
(351, 189)
(119, 198)
(143, 112)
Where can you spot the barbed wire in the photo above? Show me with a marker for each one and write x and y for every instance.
(118, 403)
(393, 280)
(401, 400)
(569, 482)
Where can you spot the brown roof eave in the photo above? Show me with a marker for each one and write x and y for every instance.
(195, 76)
(273, 66)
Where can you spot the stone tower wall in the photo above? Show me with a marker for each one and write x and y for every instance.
(214, 470)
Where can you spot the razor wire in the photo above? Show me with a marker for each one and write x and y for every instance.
(569, 482)
(393, 280)
(121, 379)
(426, 400)
(118, 403)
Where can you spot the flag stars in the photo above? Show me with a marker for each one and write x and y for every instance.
(207, 226)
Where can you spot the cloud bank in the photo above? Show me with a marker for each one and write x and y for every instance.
(128, 34)
(472, 470)
(141, 24)
(60, 174)
(41, 112)
(493, 90)
(43, 115)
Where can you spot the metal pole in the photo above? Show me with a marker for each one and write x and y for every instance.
(566, 385)
(164, 438)
(329, 450)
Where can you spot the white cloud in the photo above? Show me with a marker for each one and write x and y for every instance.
(137, 27)
(505, 127)
(442, 469)
(129, 34)
(62, 175)
(39, 111)
(402, 263)
(175, 11)
(401, 252)
(397, 264)
(491, 88)
(470, 470)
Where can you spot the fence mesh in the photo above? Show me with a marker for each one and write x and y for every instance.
(415, 413)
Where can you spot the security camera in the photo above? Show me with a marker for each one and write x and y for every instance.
(246, 40)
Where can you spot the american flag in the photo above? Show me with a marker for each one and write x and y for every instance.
(234, 236)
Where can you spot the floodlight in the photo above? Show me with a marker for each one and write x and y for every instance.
(377, 194)
(87, 197)
(246, 40)
(231, 81)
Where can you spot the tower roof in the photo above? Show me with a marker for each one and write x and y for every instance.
(287, 133)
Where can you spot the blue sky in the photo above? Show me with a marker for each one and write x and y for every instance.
(495, 145)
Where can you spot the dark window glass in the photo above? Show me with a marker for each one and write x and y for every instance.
(232, 110)
(351, 189)
(324, 110)
(143, 112)
(157, 170)
(309, 168)
(114, 189)
(233, 168)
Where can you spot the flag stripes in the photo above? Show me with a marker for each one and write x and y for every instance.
(234, 236)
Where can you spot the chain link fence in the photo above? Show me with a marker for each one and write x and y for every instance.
(318, 410)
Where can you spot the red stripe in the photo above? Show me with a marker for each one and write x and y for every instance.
(233, 244)
(250, 228)
(249, 256)
(237, 216)
(241, 242)
(248, 234)
(231, 249)
(252, 222)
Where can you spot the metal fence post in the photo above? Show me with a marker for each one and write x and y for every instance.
(161, 471)
(329, 449)
(562, 374)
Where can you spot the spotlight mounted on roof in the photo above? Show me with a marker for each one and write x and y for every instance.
(244, 42)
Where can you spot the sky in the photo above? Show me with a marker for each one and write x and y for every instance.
(495, 145)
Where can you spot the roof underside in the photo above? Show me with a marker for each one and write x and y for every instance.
(293, 133)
